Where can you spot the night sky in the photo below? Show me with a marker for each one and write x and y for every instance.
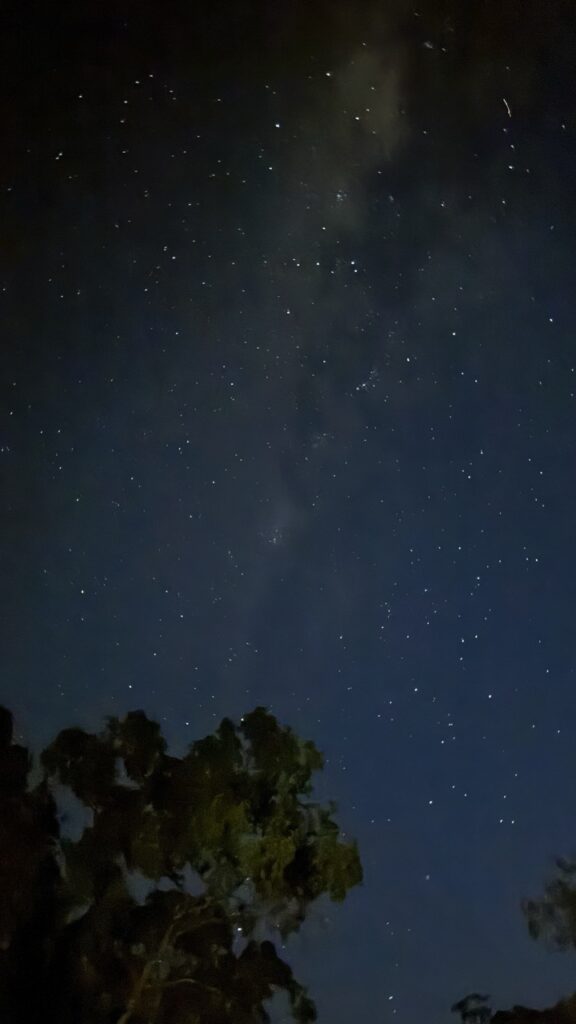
(288, 417)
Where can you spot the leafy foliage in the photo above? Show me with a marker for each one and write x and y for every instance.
(473, 1009)
(235, 813)
(27, 833)
(553, 917)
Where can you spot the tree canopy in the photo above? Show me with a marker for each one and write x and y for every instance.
(168, 905)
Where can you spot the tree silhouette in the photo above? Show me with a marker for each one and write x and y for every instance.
(564, 1012)
(165, 909)
(473, 1009)
(552, 918)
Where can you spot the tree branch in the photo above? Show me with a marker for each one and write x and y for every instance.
(192, 981)
(143, 979)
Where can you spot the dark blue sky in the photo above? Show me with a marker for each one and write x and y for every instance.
(289, 417)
